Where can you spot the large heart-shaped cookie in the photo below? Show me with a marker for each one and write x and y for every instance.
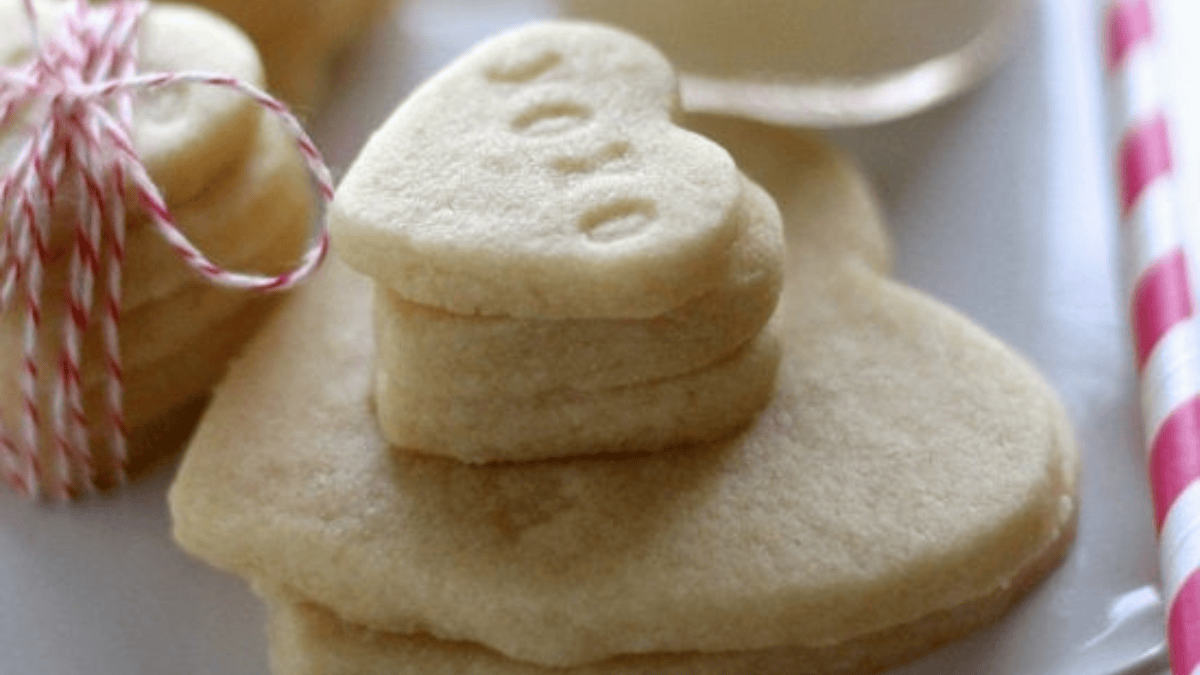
(911, 478)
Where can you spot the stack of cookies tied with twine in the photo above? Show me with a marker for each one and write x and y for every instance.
(142, 160)
(598, 388)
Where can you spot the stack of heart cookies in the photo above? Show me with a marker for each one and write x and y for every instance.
(557, 271)
(561, 270)
(236, 186)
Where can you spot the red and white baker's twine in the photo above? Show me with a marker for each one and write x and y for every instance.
(73, 99)
(1166, 325)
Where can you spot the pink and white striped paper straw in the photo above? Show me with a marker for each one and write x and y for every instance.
(1166, 326)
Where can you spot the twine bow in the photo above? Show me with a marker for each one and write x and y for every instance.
(74, 98)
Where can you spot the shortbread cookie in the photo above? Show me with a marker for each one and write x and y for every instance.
(175, 345)
(246, 219)
(309, 640)
(256, 220)
(156, 330)
(682, 376)
(547, 160)
(439, 354)
(908, 469)
(155, 391)
(711, 402)
(185, 134)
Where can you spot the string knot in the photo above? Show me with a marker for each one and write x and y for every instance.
(70, 107)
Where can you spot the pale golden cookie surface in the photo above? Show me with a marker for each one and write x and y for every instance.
(711, 402)
(306, 639)
(909, 464)
(439, 354)
(542, 176)
(241, 221)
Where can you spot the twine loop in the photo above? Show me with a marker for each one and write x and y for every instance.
(70, 104)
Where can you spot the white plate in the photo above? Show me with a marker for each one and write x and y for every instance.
(1000, 205)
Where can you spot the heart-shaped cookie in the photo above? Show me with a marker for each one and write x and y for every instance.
(911, 478)
(542, 176)
(710, 402)
(443, 354)
(590, 203)
(483, 389)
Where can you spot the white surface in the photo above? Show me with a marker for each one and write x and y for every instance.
(1000, 206)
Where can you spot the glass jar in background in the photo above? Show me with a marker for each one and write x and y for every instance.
(820, 62)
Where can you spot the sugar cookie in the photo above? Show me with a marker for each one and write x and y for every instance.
(546, 158)
(910, 478)
(239, 221)
(710, 402)
(638, 263)
(439, 354)
(255, 220)
(244, 219)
